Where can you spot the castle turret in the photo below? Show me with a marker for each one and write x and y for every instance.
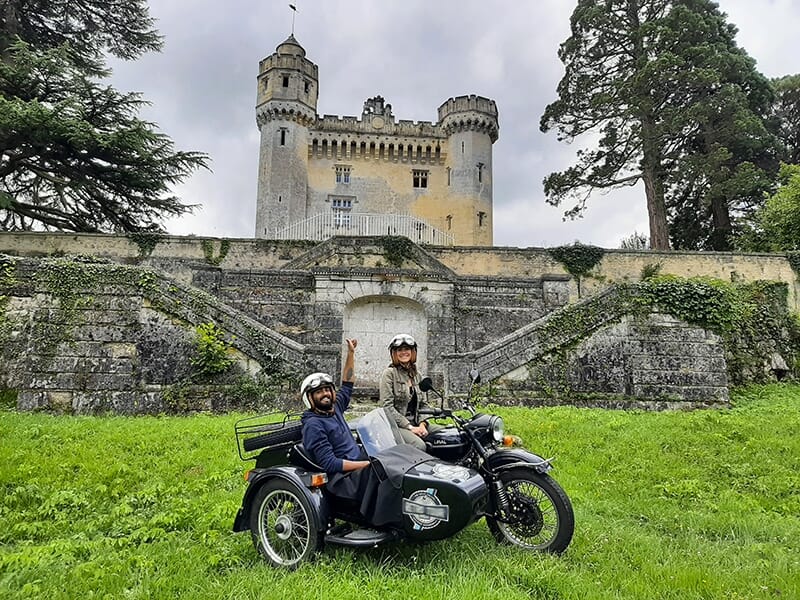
(471, 126)
(286, 107)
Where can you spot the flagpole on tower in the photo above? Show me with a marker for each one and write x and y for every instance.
(294, 12)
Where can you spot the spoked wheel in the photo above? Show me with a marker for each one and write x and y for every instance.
(540, 514)
(282, 524)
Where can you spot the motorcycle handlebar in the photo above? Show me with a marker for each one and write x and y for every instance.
(436, 412)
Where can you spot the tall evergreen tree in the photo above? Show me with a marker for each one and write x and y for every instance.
(73, 153)
(649, 75)
(786, 113)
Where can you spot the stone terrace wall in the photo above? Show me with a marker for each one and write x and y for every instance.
(502, 310)
(622, 266)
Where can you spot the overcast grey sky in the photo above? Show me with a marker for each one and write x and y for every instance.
(416, 54)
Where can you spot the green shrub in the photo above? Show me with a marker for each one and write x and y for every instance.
(578, 259)
(650, 271)
(397, 249)
(212, 353)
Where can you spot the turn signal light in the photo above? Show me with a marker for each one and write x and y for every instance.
(318, 479)
(508, 440)
(247, 474)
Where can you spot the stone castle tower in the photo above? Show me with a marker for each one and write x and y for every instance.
(325, 176)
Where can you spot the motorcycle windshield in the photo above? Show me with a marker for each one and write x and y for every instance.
(375, 432)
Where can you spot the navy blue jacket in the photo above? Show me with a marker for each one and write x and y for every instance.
(327, 437)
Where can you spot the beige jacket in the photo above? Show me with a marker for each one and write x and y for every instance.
(395, 394)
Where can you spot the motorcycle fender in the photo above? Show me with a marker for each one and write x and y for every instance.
(259, 477)
(502, 460)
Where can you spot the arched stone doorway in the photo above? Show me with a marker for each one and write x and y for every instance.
(373, 321)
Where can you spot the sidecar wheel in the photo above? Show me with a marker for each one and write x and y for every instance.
(282, 525)
(541, 516)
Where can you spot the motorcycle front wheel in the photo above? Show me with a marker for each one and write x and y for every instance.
(539, 516)
(282, 525)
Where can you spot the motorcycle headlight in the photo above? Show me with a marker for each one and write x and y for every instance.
(498, 429)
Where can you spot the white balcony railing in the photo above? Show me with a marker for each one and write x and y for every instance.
(327, 225)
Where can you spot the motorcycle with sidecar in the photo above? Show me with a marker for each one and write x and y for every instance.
(470, 470)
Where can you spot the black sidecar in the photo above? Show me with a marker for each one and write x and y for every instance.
(408, 495)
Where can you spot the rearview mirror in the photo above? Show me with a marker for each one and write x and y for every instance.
(475, 375)
(426, 385)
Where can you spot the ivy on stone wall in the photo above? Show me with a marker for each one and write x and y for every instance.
(71, 280)
(396, 249)
(757, 331)
(578, 259)
(710, 303)
(146, 241)
(208, 251)
(751, 318)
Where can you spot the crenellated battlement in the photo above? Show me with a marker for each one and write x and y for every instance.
(377, 124)
(290, 62)
(469, 113)
(471, 103)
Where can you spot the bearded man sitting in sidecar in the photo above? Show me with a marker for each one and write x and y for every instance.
(326, 434)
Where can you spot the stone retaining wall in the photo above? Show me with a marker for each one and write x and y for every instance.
(121, 339)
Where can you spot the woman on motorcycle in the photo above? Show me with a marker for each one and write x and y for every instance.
(399, 390)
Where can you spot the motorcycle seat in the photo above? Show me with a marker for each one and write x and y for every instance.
(300, 457)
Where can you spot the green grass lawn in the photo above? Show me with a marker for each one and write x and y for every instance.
(680, 505)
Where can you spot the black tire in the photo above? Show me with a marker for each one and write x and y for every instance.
(540, 512)
(285, 435)
(283, 524)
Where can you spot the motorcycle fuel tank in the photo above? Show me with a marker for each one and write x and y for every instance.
(447, 443)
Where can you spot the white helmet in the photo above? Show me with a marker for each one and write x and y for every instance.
(314, 382)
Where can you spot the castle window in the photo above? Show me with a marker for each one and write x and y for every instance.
(285, 81)
(283, 136)
(448, 175)
(449, 222)
(480, 172)
(307, 86)
(462, 147)
(420, 178)
(481, 217)
(342, 174)
(341, 208)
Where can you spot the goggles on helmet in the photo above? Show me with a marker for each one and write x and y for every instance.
(318, 381)
(402, 340)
